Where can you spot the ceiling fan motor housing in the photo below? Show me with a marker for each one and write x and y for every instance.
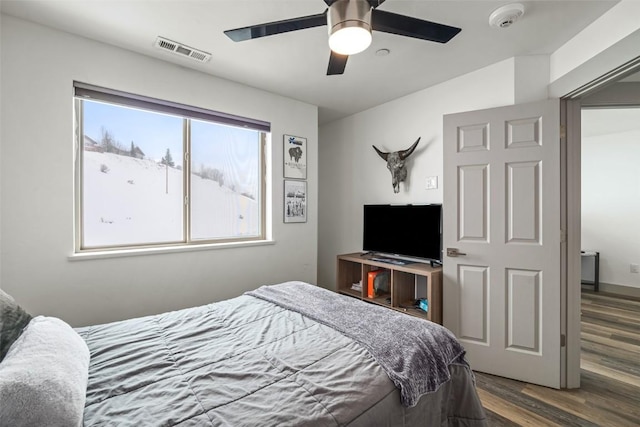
(345, 13)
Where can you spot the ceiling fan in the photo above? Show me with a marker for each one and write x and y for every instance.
(350, 23)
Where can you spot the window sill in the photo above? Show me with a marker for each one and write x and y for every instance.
(119, 253)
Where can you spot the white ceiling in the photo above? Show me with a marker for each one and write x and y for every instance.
(294, 64)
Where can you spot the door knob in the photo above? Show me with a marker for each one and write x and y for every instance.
(453, 252)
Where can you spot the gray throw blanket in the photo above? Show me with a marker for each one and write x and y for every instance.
(415, 353)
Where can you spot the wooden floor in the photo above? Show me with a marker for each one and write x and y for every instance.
(609, 394)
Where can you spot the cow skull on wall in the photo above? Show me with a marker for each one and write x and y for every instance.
(395, 164)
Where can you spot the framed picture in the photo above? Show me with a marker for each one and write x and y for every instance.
(295, 157)
(295, 201)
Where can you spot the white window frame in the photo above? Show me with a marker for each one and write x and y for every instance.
(83, 91)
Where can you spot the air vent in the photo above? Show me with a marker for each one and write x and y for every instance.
(182, 50)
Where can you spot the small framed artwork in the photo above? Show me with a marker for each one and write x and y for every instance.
(295, 157)
(295, 201)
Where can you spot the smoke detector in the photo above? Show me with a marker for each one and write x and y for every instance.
(504, 16)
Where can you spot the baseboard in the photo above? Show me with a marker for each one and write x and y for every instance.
(616, 289)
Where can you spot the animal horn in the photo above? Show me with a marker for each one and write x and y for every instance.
(381, 153)
(406, 153)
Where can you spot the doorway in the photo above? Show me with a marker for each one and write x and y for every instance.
(610, 202)
(620, 91)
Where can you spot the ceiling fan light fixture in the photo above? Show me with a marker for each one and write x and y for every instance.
(349, 25)
(350, 40)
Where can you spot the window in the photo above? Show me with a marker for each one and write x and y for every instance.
(155, 173)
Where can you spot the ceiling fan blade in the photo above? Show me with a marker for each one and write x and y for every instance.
(375, 3)
(337, 63)
(393, 23)
(277, 27)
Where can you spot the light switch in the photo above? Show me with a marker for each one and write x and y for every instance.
(432, 182)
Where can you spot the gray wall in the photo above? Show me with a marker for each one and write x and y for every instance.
(38, 68)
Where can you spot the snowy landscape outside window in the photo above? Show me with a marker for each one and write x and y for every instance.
(153, 173)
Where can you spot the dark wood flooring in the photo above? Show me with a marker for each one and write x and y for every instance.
(609, 393)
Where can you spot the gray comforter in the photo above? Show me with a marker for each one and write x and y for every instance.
(415, 354)
(249, 362)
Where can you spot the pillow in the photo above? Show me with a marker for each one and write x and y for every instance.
(43, 378)
(13, 319)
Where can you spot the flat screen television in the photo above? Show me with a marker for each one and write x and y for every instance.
(404, 231)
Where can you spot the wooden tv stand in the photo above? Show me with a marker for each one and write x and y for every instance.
(353, 268)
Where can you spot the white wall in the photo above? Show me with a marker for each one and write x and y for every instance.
(352, 174)
(611, 201)
(38, 68)
(609, 42)
(531, 75)
(614, 25)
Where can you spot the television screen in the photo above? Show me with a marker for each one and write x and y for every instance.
(412, 231)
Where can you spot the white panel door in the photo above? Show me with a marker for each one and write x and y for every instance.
(502, 213)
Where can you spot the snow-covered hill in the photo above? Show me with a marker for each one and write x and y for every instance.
(131, 201)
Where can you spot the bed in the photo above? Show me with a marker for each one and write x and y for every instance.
(288, 354)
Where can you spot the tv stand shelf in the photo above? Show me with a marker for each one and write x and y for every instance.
(404, 281)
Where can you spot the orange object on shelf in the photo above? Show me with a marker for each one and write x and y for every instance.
(371, 277)
(377, 280)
